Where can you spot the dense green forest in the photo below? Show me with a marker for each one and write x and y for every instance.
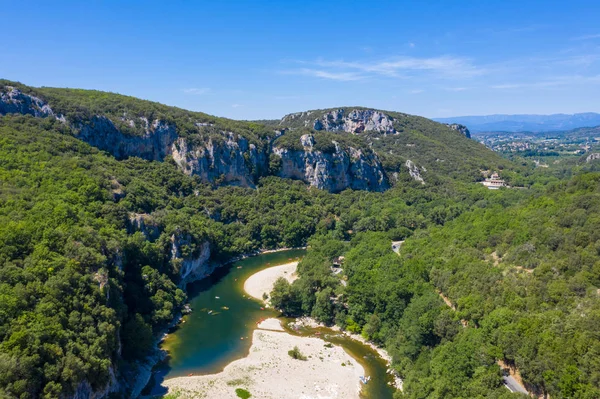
(521, 270)
(82, 290)
(85, 289)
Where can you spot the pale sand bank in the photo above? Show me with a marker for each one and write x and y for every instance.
(269, 372)
(312, 323)
(270, 324)
(262, 282)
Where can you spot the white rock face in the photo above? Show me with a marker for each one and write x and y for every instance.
(462, 129)
(195, 267)
(356, 121)
(144, 223)
(233, 161)
(592, 157)
(84, 389)
(13, 101)
(292, 117)
(336, 171)
(229, 158)
(413, 170)
(154, 145)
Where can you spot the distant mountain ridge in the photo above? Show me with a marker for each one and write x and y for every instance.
(525, 122)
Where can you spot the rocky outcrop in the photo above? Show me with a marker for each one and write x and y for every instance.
(194, 266)
(355, 121)
(154, 144)
(13, 101)
(462, 129)
(145, 224)
(291, 118)
(592, 157)
(225, 157)
(142, 372)
(84, 389)
(414, 172)
(230, 161)
(335, 171)
(99, 131)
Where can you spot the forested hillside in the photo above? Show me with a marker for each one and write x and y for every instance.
(109, 205)
(520, 271)
(85, 287)
(373, 147)
(397, 137)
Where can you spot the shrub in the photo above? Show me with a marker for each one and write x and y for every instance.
(296, 354)
(242, 393)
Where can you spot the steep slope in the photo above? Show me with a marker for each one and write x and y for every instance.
(397, 138)
(95, 251)
(328, 161)
(510, 282)
(100, 231)
(217, 150)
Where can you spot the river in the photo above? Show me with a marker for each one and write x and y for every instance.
(210, 337)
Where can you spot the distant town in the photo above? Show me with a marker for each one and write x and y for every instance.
(535, 145)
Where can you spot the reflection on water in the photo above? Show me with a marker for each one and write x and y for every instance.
(219, 329)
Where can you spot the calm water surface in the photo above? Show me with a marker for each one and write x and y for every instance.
(222, 314)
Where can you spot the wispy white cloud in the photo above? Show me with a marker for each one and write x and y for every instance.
(587, 37)
(416, 91)
(550, 82)
(455, 88)
(319, 73)
(196, 91)
(236, 105)
(411, 45)
(443, 66)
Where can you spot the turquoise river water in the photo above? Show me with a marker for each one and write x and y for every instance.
(209, 338)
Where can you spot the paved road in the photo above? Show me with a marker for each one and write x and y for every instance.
(509, 382)
(513, 385)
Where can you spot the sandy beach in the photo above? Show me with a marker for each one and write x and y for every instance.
(269, 372)
(263, 281)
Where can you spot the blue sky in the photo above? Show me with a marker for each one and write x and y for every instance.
(263, 59)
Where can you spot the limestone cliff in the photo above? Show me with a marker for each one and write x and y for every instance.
(145, 224)
(343, 168)
(592, 157)
(189, 256)
(341, 120)
(153, 145)
(84, 389)
(223, 157)
(13, 101)
(414, 172)
(462, 129)
(194, 266)
(231, 160)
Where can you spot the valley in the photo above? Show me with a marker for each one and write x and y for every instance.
(117, 215)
